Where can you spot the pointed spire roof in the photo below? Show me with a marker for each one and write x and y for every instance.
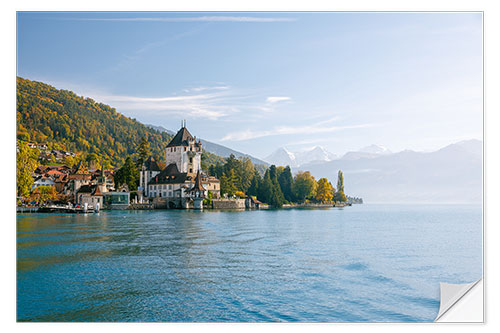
(182, 138)
(197, 183)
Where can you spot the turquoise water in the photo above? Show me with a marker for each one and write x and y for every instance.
(362, 263)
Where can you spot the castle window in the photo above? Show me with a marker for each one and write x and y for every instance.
(184, 148)
(190, 170)
(190, 160)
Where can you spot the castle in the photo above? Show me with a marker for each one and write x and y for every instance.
(182, 184)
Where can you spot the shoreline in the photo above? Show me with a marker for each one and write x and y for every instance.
(63, 209)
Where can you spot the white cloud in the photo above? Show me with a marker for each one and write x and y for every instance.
(209, 105)
(194, 19)
(286, 130)
(275, 99)
(205, 88)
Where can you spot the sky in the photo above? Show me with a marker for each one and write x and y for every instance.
(255, 81)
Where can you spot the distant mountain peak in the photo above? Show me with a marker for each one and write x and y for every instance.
(375, 149)
(282, 156)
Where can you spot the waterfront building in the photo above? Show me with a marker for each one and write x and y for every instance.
(90, 195)
(173, 186)
(116, 200)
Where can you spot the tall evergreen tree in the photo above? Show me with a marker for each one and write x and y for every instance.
(340, 182)
(266, 188)
(143, 151)
(285, 180)
(255, 184)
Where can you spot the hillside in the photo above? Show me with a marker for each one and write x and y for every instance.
(64, 120)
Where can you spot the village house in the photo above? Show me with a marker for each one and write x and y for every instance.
(75, 181)
(90, 195)
(42, 181)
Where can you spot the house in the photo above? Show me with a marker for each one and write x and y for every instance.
(172, 183)
(60, 182)
(90, 195)
(75, 181)
(251, 202)
(42, 181)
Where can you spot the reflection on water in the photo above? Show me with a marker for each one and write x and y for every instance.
(363, 263)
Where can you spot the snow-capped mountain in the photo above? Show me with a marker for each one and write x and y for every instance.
(315, 154)
(283, 156)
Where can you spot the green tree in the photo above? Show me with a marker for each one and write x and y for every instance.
(228, 183)
(26, 163)
(245, 173)
(277, 198)
(127, 174)
(285, 180)
(266, 188)
(255, 184)
(340, 181)
(143, 151)
(304, 186)
(339, 196)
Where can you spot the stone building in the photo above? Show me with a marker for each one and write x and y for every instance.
(173, 186)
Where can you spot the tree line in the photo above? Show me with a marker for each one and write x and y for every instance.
(277, 186)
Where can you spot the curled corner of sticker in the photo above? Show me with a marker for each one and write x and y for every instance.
(451, 294)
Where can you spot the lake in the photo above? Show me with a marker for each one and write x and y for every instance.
(365, 263)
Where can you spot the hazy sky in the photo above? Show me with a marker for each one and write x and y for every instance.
(258, 81)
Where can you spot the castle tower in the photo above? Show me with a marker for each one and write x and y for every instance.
(184, 151)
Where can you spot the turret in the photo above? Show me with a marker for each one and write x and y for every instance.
(184, 151)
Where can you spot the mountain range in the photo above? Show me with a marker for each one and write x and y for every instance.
(452, 174)
(283, 156)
